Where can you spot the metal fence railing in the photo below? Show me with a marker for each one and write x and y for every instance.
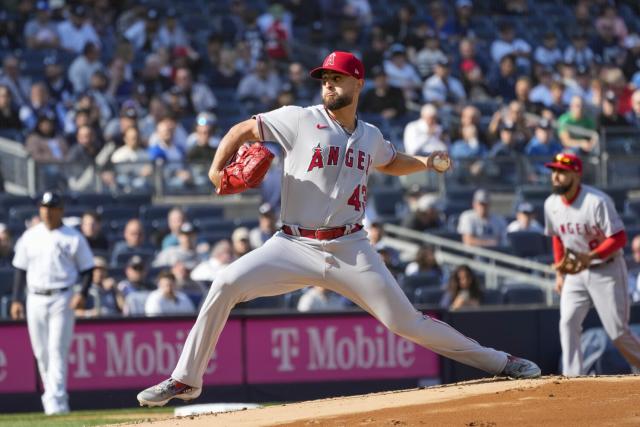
(18, 169)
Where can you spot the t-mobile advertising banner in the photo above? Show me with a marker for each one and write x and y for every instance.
(331, 348)
(17, 365)
(131, 354)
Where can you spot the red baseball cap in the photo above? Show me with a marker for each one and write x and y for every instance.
(340, 62)
(566, 161)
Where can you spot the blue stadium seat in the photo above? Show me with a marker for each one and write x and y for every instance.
(421, 280)
(491, 297)
(528, 243)
(124, 213)
(428, 295)
(8, 201)
(386, 203)
(265, 303)
(133, 199)
(149, 213)
(18, 214)
(215, 224)
(522, 294)
(204, 212)
(76, 210)
(92, 199)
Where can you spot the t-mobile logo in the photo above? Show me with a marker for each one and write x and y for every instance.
(285, 347)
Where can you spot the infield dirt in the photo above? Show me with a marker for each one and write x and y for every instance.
(549, 401)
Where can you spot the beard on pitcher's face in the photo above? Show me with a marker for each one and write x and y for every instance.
(334, 101)
(561, 189)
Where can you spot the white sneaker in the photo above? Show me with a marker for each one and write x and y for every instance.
(160, 394)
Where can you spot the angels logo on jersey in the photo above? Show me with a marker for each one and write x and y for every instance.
(361, 160)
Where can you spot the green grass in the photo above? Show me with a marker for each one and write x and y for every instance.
(83, 418)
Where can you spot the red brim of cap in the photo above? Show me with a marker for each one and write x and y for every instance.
(554, 165)
(316, 73)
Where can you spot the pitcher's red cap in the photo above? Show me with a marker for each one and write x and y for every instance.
(566, 161)
(340, 62)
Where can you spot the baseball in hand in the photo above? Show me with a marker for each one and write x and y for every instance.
(441, 163)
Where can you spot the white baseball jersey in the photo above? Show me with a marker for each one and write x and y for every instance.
(325, 168)
(52, 258)
(584, 223)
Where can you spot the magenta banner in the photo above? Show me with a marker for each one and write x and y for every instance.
(331, 348)
(17, 364)
(130, 354)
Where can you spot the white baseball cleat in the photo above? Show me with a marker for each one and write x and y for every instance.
(519, 368)
(160, 394)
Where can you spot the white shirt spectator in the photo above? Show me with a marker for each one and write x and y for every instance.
(500, 48)
(405, 77)
(137, 35)
(158, 305)
(541, 94)
(492, 227)
(253, 87)
(170, 38)
(126, 154)
(41, 32)
(515, 226)
(80, 73)
(73, 38)
(434, 90)
(582, 57)
(547, 57)
(316, 298)
(419, 138)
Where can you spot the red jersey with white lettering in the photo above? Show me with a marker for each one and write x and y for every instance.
(325, 167)
(585, 222)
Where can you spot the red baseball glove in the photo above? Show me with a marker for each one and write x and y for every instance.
(246, 169)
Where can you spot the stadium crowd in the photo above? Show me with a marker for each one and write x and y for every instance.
(127, 86)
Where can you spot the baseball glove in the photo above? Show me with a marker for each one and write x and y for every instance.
(246, 169)
(570, 263)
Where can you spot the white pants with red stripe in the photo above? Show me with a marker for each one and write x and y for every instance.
(349, 266)
(604, 287)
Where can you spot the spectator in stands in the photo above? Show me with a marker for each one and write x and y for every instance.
(120, 84)
(383, 99)
(507, 144)
(9, 116)
(204, 137)
(84, 66)
(464, 290)
(580, 86)
(221, 256)
(579, 52)
(9, 34)
(84, 152)
(40, 32)
(171, 33)
(609, 18)
(240, 241)
(57, 83)
(166, 147)
(474, 82)
(260, 88)
(12, 78)
(175, 219)
(44, 144)
(424, 135)
(376, 235)
(103, 298)
(133, 243)
(609, 116)
(427, 214)
(508, 44)
(542, 146)
(479, 226)
(633, 116)
(143, 34)
(167, 299)
(374, 54)
(6, 246)
(196, 96)
(442, 88)
(502, 81)
(606, 47)
(135, 277)
(184, 282)
(557, 103)
(131, 162)
(631, 66)
(469, 146)
(91, 229)
(470, 115)
(316, 298)
(152, 77)
(511, 116)
(184, 252)
(548, 55)
(132, 150)
(266, 226)
(576, 130)
(425, 262)
(400, 72)
(468, 57)
(225, 74)
(76, 32)
(541, 93)
(525, 219)
(460, 24)
(429, 55)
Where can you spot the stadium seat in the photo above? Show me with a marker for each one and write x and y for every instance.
(118, 213)
(428, 295)
(18, 214)
(386, 203)
(92, 199)
(195, 212)
(491, 297)
(133, 199)
(212, 237)
(528, 243)
(149, 213)
(522, 294)
(421, 280)
(265, 303)
(8, 201)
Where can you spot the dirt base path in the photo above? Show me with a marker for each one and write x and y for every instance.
(550, 401)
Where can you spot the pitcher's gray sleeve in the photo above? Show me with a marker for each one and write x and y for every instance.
(385, 151)
(607, 217)
(281, 125)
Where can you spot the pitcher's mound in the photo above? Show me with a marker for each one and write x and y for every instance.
(549, 401)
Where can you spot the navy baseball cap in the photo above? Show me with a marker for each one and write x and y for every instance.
(51, 199)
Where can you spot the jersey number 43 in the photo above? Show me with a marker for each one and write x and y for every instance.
(359, 198)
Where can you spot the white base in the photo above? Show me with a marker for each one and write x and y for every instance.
(211, 408)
